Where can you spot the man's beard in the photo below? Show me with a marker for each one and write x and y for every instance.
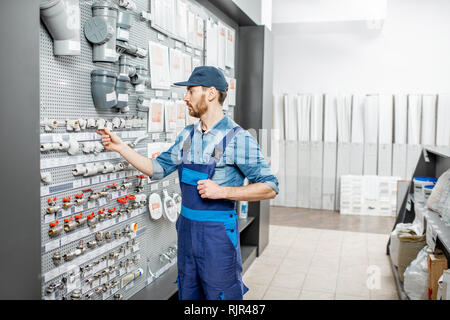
(201, 108)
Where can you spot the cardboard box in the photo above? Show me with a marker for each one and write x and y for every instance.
(437, 263)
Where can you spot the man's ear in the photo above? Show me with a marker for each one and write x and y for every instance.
(212, 93)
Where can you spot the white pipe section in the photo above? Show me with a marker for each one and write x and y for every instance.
(46, 177)
(74, 147)
(79, 170)
(91, 170)
(101, 124)
(91, 123)
(108, 167)
(82, 123)
(116, 123)
(118, 167)
(139, 139)
(63, 145)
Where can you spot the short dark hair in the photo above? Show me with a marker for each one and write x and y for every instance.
(222, 94)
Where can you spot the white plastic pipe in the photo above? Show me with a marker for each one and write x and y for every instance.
(108, 167)
(79, 170)
(74, 147)
(101, 124)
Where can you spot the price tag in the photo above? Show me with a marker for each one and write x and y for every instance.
(101, 201)
(123, 33)
(114, 195)
(136, 248)
(112, 95)
(49, 217)
(95, 180)
(123, 97)
(159, 93)
(44, 191)
(188, 49)
(154, 187)
(91, 204)
(95, 283)
(49, 246)
(77, 184)
(166, 183)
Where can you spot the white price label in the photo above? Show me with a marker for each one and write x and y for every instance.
(91, 204)
(49, 217)
(101, 201)
(124, 34)
(188, 49)
(159, 93)
(154, 187)
(166, 183)
(95, 180)
(123, 97)
(111, 96)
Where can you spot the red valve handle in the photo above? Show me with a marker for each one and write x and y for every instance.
(122, 200)
(112, 210)
(68, 220)
(115, 184)
(54, 224)
(78, 196)
(89, 217)
(85, 190)
(79, 216)
(130, 196)
(66, 199)
(141, 176)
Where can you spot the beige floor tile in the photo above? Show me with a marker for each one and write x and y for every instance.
(303, 246)
(268, 260)
(384, 295)
(255, 292)
(348, 262)
(275, 293)
(352, 286)
(292, 280)
(320, 260)
(275, 251)
(320, 281)
(299, 254)
(315, 295)
(355, 270)
(349, 297)
(289, 265)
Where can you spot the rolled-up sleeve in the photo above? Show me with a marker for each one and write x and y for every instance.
(249, 159)
(167, 162)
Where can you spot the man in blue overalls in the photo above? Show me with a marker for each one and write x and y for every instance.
(213, 157)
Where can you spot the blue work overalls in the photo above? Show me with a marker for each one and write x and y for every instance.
(209, 255)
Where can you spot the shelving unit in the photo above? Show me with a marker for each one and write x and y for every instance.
(432, 163)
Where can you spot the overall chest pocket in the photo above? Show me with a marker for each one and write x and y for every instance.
(191, 177)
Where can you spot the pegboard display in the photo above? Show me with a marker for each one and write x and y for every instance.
(98, 240)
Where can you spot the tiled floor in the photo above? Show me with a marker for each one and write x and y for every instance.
(321, 264)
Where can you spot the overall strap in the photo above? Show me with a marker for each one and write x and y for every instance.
(187, 145)
(221, 146)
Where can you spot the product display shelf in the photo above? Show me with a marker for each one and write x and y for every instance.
(432, 163)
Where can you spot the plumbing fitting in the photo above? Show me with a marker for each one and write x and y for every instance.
(92, 195)
(74, 147)
(63, 146)
(62, 19)
(127, 4)
(49, 124)
(91, 169)
(118, 296)
(79, 170)
(131, 49)
(76, 295)
(88, 296)
(126, 185)
(117, 234)
(122, 89)
(108, 167)
(49, 147)
(91, 220)
(88, 147)
(108, 236)
(140, 79)
(100, 30)
(46, 177)
(53, 208)
(122, 202)
(101, 124)
(69, 224)
(125, 68)
(109, 126)
(128, 123)
(139, 139)
(118, 167)
(103, 92)
(112, 213)
(82, 123)
(99, 237)
(55, 229)
(91, 123)
(170, 208)
(140, 185)
(124, 21)
(57, 258)
(131, 276)
(72, 125)
(177, 198)
(115, 122)
(66, 203)
(142, 104)
(81, 248)
(80, 220)
(114, 186)
(69, 256)
(101, 215)
(79, 199)
(92, 244)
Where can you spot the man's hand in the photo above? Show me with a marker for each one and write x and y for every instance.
(111, 141)
(211, 190)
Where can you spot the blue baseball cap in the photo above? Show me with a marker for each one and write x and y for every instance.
(206, 76)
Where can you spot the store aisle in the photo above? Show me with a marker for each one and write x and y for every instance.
(321, 264)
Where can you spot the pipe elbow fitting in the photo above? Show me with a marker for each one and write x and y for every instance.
(74, 147)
